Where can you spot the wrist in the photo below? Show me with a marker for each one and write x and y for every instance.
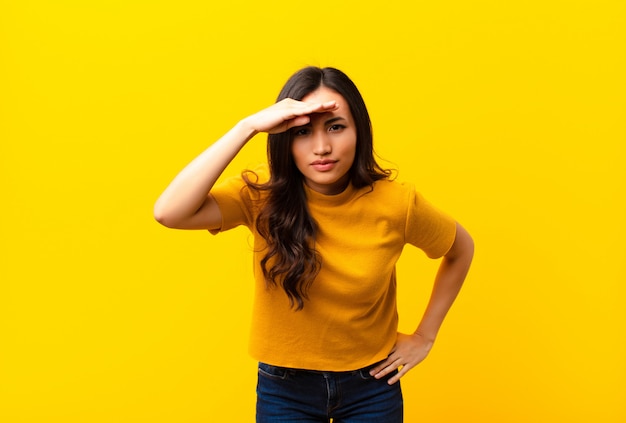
(428, 338)
(245, 128)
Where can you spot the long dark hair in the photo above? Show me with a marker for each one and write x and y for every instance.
(284, 221)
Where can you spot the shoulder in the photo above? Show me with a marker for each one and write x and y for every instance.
(254, 175)
(242, 185)
(392, 189)
(401, 196)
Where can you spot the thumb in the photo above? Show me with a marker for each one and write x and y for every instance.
(299, 121)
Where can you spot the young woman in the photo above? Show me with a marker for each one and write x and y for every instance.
(329, 225)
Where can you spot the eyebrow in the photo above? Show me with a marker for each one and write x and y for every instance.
(334, 119)
(326, 123)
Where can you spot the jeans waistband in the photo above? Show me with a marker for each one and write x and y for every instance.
(292, 371)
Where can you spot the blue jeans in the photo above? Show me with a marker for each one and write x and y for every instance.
(293, 395)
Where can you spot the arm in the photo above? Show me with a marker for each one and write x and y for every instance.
(410, 350)
(185, 203)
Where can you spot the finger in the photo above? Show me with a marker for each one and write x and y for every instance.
(381, 366)
(321, 107)
(290, 123)
(289, 102)
(309, 111)
(401, 372)
(395, 378)
(298, 121)
(301, 115)
(377, 369)
(391, 366)
(332, 104)
(297, 113)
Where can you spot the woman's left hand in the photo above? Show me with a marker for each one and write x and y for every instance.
(409, 351)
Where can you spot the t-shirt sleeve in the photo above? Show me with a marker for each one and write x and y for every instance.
(233, 198)
(428, 228)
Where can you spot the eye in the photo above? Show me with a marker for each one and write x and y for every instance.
(336, 127)
(301, 131)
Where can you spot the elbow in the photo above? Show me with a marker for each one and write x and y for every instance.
(163, 217)
(468, 246)
(171, 215)
(469, 242)
(468, 252)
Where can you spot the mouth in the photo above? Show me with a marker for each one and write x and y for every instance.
(323, 165)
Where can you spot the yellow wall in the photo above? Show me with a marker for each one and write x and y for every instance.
(509, 115)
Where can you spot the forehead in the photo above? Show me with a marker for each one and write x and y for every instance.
(324, 94)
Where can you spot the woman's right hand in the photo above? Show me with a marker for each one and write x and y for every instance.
(185, 204)
(286, 114)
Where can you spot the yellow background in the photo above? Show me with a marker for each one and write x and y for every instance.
(510, 115)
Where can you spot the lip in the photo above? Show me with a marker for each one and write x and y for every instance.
(323, 165)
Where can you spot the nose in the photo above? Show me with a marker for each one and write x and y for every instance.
(321, 144)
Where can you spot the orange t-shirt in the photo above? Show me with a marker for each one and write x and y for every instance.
(350, 319)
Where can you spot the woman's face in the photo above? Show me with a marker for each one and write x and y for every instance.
(324, 149)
